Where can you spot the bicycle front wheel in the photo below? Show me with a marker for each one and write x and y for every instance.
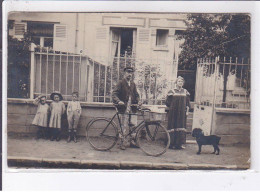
(102, 134)
(153, 139)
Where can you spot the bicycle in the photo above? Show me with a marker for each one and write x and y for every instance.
(153, 139)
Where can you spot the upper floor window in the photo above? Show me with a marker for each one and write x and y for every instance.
(41, 33)
(162, 37)
(123, 42)
(179, 32)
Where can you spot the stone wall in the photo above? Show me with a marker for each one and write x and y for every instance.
(232, 126)
(20, 114)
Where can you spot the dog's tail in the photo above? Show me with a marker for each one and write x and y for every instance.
(218, 139)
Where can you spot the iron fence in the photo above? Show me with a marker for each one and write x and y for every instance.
(152, 78)
(223, 82)
(95, 77)
(57, 71)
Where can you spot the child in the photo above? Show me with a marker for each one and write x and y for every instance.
(57, 110)
(41, 117)
(73, 115)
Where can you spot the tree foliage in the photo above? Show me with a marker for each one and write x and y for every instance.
(18, 67)
(151, 82)
(211, 35)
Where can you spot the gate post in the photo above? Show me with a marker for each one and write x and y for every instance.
(215, 93)
(32, 70)
(197, 82)
(90, 77)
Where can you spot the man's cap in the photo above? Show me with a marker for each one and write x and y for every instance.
(129, 69)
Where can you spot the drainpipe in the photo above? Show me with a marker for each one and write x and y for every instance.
(77, 30)
(84, 32)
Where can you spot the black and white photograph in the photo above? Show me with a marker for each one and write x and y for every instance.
(128, 91)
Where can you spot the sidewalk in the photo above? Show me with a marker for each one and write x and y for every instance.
(28, 152)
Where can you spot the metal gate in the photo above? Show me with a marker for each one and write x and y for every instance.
(222, 83)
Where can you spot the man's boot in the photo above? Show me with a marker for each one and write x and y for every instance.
(75, 136)
(133, 143)
(122, 143)
(69, 136)
(58, 135)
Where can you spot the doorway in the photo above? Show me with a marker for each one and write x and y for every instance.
(123, 41)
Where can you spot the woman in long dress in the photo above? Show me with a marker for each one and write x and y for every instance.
(178, 101)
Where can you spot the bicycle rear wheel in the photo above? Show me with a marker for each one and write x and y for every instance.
(153, 139)
(102, 134)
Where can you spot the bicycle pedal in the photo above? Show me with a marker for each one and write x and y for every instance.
(133, 145)
(131, 125)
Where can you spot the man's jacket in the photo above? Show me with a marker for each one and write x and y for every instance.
(123, 91)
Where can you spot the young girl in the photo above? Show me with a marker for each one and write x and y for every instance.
(57, 110)
(73, 115)
(41, 117)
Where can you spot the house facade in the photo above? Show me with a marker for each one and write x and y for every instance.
(96, 34)
(147, 41)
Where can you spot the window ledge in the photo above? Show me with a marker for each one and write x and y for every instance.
(83, 104)
(161, 48)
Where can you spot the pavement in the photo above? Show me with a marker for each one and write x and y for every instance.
(26, 151)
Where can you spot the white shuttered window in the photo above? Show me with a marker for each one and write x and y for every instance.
(60, 31)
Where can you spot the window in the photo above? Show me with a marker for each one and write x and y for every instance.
(161, 37)
(123, 41)
(179, 32)
(41, 33)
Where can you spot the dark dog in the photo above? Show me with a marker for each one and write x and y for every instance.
(206, 140)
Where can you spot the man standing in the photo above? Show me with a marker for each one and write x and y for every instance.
(124, 95)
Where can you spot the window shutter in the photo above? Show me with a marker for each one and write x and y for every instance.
(19, 29)
(171, 32)
(101, 33)
(144, 35)
(60, 31)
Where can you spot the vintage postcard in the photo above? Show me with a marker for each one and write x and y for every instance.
(109, 90)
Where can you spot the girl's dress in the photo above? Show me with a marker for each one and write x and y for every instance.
(177, 104)
(57, 110)
(41, 117)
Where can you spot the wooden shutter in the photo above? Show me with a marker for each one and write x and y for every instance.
(60, 37)
(101, 33)
(60, 31)
(19, 29)
(144, 35)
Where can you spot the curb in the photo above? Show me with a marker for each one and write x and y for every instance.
(17, 161)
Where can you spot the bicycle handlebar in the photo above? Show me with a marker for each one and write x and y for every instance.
(138, 107)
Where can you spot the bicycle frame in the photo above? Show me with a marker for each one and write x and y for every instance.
(145, 132)
(133, 129)
(120, 124)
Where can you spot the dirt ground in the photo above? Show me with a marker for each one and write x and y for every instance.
(29, 147)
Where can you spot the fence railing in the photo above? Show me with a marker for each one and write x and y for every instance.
(95, 77)
(56, 71)
(152, 78)
(223, 82)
